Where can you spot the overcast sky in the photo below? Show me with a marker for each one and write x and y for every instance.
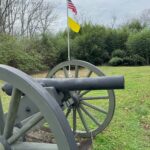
(102, 11)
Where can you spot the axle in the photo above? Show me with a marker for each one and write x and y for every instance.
(73, 84)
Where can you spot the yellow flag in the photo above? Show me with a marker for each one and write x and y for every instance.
(73, 25)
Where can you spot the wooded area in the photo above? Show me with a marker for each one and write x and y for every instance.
(26, 40)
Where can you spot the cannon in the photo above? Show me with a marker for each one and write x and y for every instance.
(73, 84)
(73, 90)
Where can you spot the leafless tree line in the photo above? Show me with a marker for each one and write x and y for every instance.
(145, 17)
(26, 17)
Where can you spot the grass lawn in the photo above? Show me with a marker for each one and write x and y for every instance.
(130, 127)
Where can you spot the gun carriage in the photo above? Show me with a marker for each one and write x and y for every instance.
(73, 90)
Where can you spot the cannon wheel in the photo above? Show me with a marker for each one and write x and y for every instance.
(82, 107)
(49, 110)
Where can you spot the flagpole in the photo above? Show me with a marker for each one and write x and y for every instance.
(68, 31)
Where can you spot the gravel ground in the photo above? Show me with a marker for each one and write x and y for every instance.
(44, 135)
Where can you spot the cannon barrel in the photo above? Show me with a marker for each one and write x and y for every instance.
(73, 84)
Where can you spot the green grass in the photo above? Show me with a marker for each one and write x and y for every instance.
(130, 127)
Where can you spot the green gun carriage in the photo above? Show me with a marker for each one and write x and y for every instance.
(75, 100)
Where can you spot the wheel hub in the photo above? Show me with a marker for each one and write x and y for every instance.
(76, 99)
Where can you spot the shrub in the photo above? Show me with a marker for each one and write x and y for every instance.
(91, 46)
(30, 62)
(12, 53)
(47, 49)
(128, 61)
(139, 43)
(138, 60)
(116, 61)
(134, 60)
(118, 53)
(134, 25)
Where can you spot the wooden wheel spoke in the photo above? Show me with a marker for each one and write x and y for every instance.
(76, 71)
(84, 93)
(94, 107)
(74, 120)
(94, 98)
(54, 76)
(65, 72)
(83, 120)
(12, 113)
(31, 123)
(89, 73)
(1, 118)
(68, 112)
(90, 115)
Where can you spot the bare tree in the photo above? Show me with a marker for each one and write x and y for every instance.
(47, 16)
(26, 17)
(32, 17)
(12, 17)
(5, 10)
(113, 22)
(145, 17)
